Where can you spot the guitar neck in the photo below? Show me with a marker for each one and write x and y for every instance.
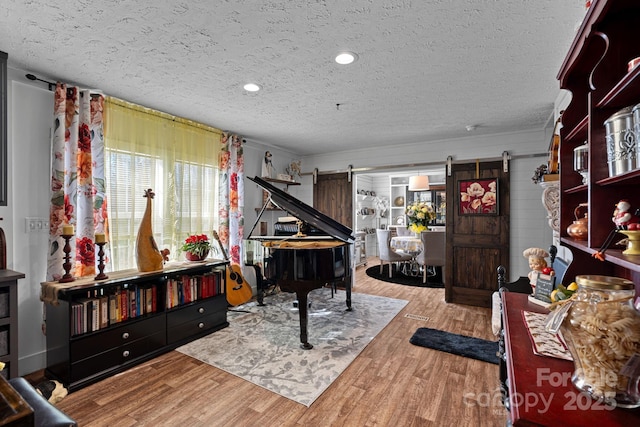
(224, 252)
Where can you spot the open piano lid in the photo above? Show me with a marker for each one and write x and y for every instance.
(304, 212)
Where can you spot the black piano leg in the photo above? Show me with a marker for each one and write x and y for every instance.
(304, 320)
(259, 285)
(348, 292)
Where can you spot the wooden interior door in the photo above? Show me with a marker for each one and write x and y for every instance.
(476, 244)
(333, 196)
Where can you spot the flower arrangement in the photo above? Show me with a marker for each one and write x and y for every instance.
(420, 214)
(539, 173)
(197, 244)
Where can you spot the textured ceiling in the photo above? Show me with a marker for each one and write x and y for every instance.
(426, 68)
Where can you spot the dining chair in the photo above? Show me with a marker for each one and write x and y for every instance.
(387, 253)
(403, 231)
(433, 251)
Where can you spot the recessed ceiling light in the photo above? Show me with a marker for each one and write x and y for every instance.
(251, 87)
(346, 58)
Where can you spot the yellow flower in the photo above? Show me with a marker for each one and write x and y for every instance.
(417, 228)
(419, 214)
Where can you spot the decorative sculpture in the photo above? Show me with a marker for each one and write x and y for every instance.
(622, 215)
(267, 166)
(294, 169)
(537, 263)
(148, 256)
(624, 220)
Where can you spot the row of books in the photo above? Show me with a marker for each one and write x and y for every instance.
(130, 301)
(92, 314)
(188, 288)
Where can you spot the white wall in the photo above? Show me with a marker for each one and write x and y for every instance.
(29, 133)
(528, 217)
(254, 157)
(29, 126)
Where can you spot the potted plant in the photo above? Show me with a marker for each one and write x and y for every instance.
(196, 247)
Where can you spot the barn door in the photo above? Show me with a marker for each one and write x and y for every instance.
(332, 195)
(477, 238)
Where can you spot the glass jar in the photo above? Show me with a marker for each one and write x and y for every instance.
(602, 331)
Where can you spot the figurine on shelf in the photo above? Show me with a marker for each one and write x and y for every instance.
(267, 165)
(622, 216)
(382, 206)
(624, 220)
(294, 169)
(537, 263)
(165, 254)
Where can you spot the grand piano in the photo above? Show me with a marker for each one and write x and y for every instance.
(317, 254)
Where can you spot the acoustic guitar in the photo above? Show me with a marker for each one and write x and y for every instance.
(237, 289)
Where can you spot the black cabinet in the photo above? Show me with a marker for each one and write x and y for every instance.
(193, 320)
(99, 328)
(9, 321)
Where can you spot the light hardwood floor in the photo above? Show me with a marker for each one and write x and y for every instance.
(391, 383)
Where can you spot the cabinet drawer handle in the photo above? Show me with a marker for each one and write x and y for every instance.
(201, 325)
(125, 335)
(125, 353)
(201, 310)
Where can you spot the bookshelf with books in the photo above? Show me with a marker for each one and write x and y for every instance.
(99, 328)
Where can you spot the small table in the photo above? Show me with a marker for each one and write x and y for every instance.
(411, 245)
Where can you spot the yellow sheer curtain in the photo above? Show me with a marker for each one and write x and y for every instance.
(175, 157)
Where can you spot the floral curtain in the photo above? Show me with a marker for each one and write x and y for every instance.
(231, 196)
(77, 181)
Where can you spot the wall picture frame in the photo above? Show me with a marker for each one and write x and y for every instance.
(478, 196)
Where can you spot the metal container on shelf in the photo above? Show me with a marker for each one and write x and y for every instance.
(581, 161)
(635, 115)
(622, 150)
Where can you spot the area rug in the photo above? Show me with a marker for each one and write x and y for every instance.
(401, 279)
(263, 345)
(474, 348)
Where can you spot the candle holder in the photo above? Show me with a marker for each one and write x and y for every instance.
(67, 277)
(101, 275)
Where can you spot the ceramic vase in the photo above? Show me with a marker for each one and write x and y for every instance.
(148, 256)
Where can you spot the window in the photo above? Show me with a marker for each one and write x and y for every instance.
(176, 158)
